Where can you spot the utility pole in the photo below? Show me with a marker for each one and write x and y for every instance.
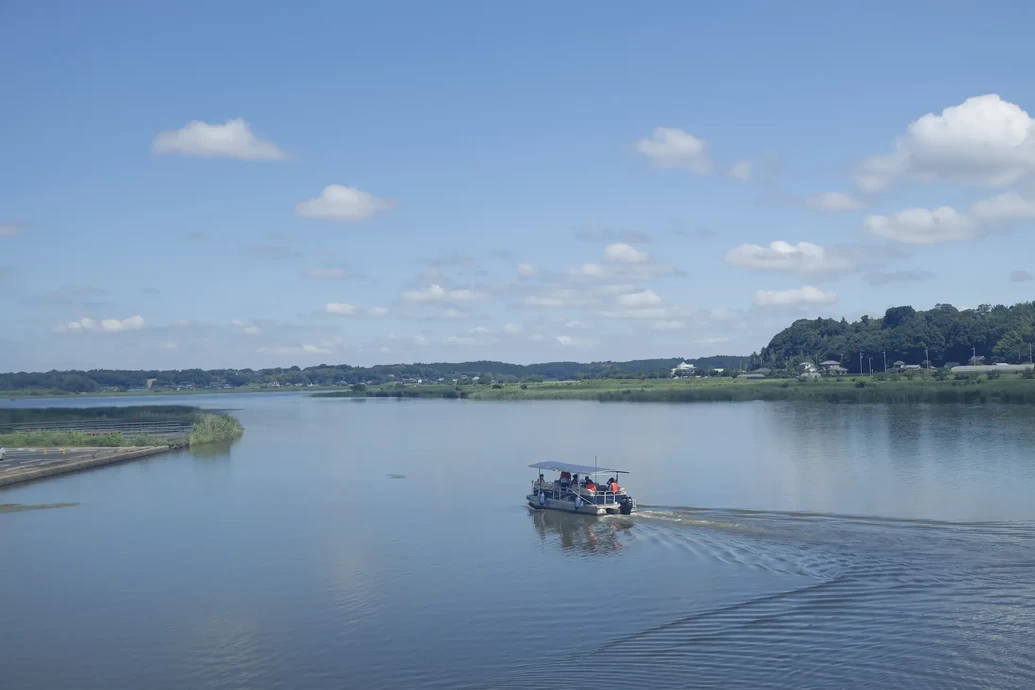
(1029, 353)
(885, 361)
(870, 360)
(973, 359)
(860, 363)
(927, 358)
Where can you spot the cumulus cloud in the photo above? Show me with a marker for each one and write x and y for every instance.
(234, 139)
(637, 300)
(526, 270)
(346, 309)
(453, 313)
(946, 224)
(669, 147)
(983, 141)
(796, 296)
(740, 171)
(835, 202)
(569, 341)
(803, 258)
(1020, 276)
(246, 327)
(620, 252)
(668, 325)
(345, 204)
(89, 325)
(883, 278)
(9, 229)
(437, 293)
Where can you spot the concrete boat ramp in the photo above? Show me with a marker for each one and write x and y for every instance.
(29, 464)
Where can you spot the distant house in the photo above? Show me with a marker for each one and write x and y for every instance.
(898, 364)
(832, 368)
(950, 365)
(683, 369)
(807, 367)
(975, 361)
(762, 371)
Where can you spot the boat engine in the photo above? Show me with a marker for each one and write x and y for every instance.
(625, 507)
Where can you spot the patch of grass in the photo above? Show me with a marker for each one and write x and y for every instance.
(72, 439)
(214, 428)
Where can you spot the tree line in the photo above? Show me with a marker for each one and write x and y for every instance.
(942, 335)
(97, 380)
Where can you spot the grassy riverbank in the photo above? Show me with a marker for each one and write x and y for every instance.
(113, 427)
(863, 389)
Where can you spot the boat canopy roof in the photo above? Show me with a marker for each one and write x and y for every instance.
(575, 469)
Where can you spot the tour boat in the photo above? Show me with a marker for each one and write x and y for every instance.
(568, 494)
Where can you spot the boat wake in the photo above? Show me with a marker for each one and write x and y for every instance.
(888, 603)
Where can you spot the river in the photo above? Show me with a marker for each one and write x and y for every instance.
(779, 545)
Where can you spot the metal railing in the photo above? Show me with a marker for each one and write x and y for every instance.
(592, 497)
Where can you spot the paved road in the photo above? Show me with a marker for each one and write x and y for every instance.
(31, 459)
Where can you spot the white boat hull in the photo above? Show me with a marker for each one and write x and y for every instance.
(570, 506)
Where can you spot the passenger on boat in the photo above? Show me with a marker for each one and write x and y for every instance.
(612, 485)
(539, 482)
(565, 478)
(590, 485)
(575, 480)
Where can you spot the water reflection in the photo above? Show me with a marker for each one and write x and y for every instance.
(590, 536)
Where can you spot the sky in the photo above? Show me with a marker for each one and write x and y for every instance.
(270, 184)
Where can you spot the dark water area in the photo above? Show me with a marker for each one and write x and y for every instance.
(779, 545)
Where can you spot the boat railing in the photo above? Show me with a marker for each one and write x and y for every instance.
(597, 497)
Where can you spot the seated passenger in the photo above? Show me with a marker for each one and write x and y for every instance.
(565, 478)
(613, 485)
(590, 485)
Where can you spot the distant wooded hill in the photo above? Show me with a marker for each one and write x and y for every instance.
(327, 375)
(945, 334)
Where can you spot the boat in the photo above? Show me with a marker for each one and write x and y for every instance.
(568, 495)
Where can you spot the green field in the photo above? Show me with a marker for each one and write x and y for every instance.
(1012, 389)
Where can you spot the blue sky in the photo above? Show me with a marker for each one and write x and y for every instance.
(259, 184)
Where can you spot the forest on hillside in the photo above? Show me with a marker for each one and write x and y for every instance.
(943, 334)
(98, 380)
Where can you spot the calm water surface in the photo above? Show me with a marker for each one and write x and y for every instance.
(781, 545)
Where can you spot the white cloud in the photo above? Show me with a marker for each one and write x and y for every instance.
(741, 171)
(946, 224)
(9, 229)
(619, 252)
(86, 324)
(796, 296)
(569, 341)
(525, 269)
(341, 308)
(673, 148)
(339, 203)
(983, 141)
(346, 309)
(668, 325)
(575, 323)
(803, 258)
(437, 293)
(452, 313)
(234, 139)
(638, 300)
(835, 202)
(512, 329)
(246, 327)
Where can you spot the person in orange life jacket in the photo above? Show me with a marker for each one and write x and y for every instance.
(539, 482)
(612, 485)
(590, 485)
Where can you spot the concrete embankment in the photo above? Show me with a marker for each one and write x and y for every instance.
(30, 464)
